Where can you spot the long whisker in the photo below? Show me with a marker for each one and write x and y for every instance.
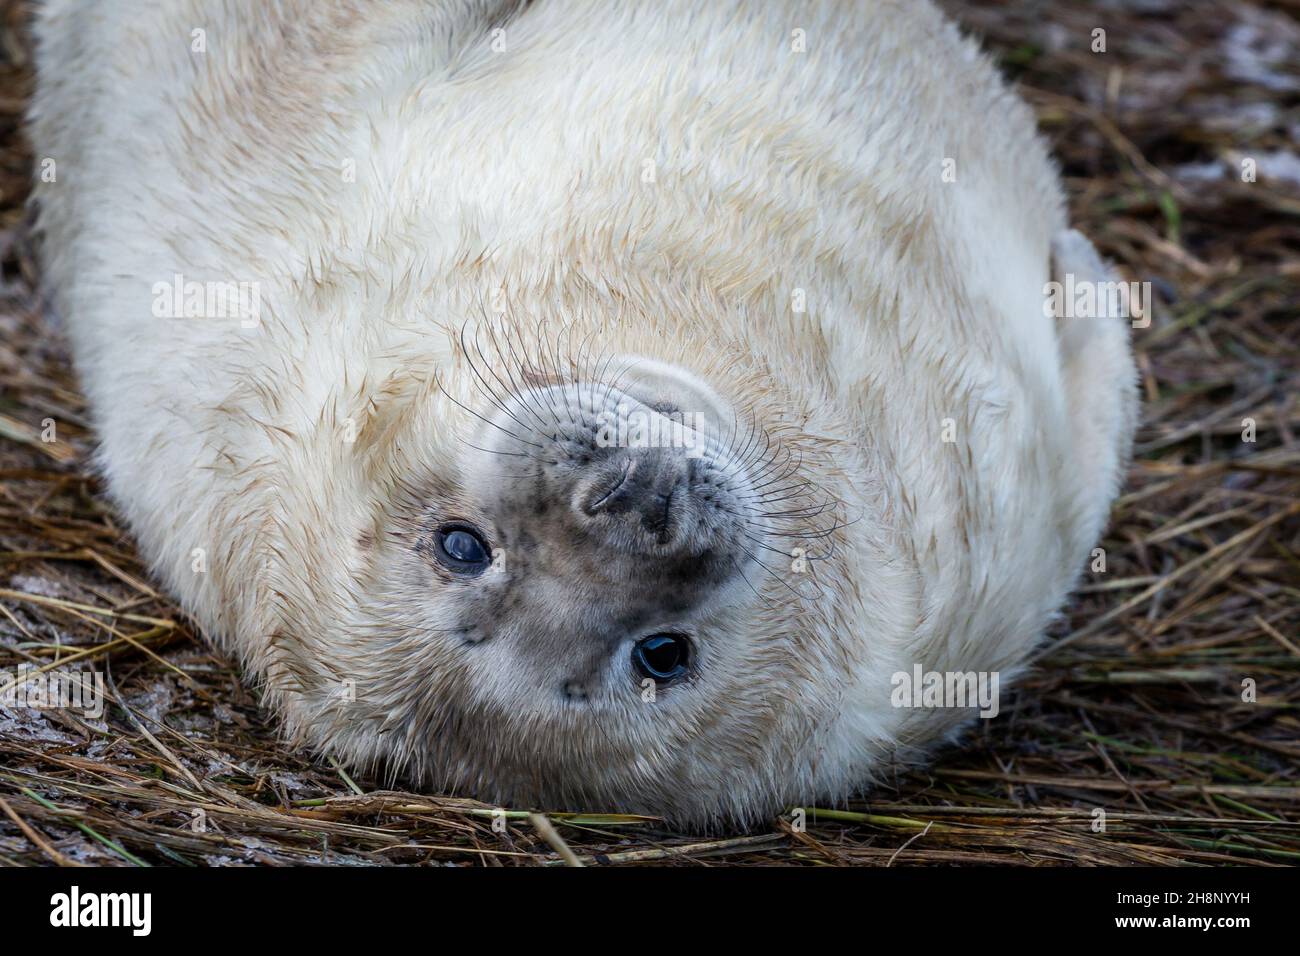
(482, 382)
(487, 421)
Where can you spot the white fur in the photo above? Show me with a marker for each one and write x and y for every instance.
(477, 170)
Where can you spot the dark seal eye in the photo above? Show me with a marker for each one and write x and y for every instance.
(461, 549)
(662, 657)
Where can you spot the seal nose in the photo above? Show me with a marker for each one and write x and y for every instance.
(646, 489)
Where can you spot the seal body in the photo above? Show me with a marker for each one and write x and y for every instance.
(364, 295)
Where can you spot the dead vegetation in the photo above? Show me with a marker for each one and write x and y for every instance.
(1135, 707)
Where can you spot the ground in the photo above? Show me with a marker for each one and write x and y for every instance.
(1159, 726)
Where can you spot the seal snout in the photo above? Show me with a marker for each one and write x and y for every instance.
(646, 495)
(638, 483)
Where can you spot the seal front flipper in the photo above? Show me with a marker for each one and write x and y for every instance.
(1093, 315)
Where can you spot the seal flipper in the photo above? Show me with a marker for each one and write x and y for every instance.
(1100, 381)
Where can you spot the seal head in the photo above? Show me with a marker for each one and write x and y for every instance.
(588, 603)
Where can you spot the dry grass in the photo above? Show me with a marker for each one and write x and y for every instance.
(1135, 706)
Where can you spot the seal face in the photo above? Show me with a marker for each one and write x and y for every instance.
(583, 491)
(622, 395)
(591, 581)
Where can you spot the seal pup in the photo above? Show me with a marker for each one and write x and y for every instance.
(377, 305)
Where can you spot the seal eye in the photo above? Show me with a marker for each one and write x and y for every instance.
(661, 657)
(461, 549)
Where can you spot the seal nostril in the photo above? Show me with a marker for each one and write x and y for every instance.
(656, 517)
(603, 498)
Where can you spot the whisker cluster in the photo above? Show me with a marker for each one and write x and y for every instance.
(783, 508)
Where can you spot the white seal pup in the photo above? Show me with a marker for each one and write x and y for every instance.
(586, 404)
